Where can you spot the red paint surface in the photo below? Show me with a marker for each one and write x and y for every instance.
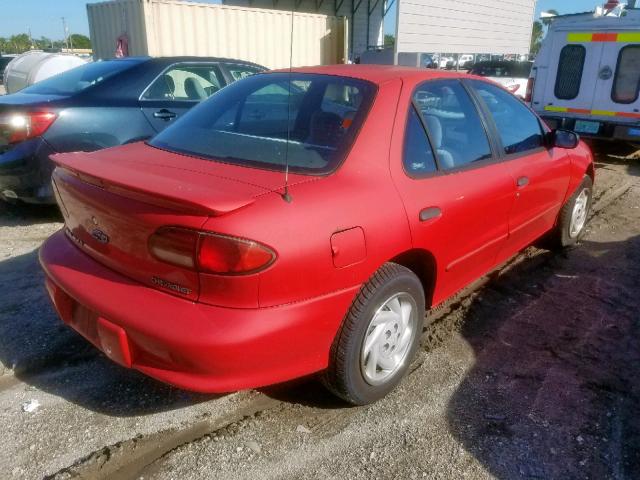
(233, 332)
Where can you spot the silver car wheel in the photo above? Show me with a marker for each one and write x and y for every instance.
(579, 214)
(388, 339)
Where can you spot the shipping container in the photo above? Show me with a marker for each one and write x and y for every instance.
(171, 27)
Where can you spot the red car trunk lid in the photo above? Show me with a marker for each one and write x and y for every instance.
(114, 200)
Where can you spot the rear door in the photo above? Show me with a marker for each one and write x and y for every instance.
(573, 73)
(540, 176)
(177, 89)
(619, 80)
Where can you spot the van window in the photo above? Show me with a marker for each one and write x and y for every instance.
(570, 70)
(627, 80)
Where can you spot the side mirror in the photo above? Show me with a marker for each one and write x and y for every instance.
(565, 139)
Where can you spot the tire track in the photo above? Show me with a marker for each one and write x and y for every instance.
(131, 458)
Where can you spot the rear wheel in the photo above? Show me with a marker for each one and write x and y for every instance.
(573, 216)
(379, 337)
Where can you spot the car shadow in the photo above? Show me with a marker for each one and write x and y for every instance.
(38, 349)
(24, 214)
(554, 391)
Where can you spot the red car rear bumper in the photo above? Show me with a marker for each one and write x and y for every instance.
(191, 345)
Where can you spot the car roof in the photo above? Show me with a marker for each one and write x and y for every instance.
(377, 74)
(186, 59)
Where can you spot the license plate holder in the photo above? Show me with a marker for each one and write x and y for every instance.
(585, 126)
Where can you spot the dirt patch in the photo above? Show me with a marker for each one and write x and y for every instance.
(530, 374)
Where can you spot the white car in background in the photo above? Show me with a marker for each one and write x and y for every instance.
(511, 75)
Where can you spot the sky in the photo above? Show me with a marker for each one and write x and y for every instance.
(43, 17)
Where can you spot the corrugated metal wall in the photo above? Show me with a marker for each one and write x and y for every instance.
(465, 26)
(109, 20)
(327, 7)
(169, 28)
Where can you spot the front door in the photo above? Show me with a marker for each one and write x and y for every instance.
(456, 193)
(540, 175)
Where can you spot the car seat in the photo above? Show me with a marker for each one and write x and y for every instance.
(194, 90)
(445, 157)
(325, 129)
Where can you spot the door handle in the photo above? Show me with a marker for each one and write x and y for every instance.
(430, 213)
(523, 182)
(164, 114)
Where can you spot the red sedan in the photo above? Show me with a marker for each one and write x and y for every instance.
(303, 221)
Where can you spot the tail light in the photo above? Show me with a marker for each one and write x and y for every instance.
(23, 126)
(209, 252)
(528, 97)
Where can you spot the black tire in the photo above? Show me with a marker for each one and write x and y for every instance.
(344, 377)
(562, 236)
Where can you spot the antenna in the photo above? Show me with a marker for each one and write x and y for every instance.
(285, 196)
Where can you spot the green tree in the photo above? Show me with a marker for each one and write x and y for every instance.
(389, 40)
(19, 43)
(536, 37)
(80, 41)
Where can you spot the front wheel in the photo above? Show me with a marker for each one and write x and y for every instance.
(379, 336)
(573, 216)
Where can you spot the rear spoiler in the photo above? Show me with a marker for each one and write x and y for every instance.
(155, 185)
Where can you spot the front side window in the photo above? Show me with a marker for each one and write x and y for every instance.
(570, 68)
(270, 120)
(418, 156)
(185, 83)
(627, 80)
(453, 122)
(517, 126)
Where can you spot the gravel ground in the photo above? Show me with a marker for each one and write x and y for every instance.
(533, 373)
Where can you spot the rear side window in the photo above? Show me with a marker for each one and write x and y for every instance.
(570, 68)
(517, 126)
(270, 120)
(418, 156)
(627, 80)
(453, 122)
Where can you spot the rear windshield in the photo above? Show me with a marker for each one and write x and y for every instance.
(514, 69)
(80, 78)
(268, 120)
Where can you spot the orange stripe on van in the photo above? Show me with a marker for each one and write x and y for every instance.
(604, 37)
(582, 111)
(620, 37)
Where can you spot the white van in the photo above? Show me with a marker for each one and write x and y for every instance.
(586, 77)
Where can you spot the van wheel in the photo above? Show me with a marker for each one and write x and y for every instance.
(378, 338)
(573, 216)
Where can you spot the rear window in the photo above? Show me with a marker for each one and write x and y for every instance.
(503, 69)
(627, 80)
(570, 69)
(80, 78)
(268, 120)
